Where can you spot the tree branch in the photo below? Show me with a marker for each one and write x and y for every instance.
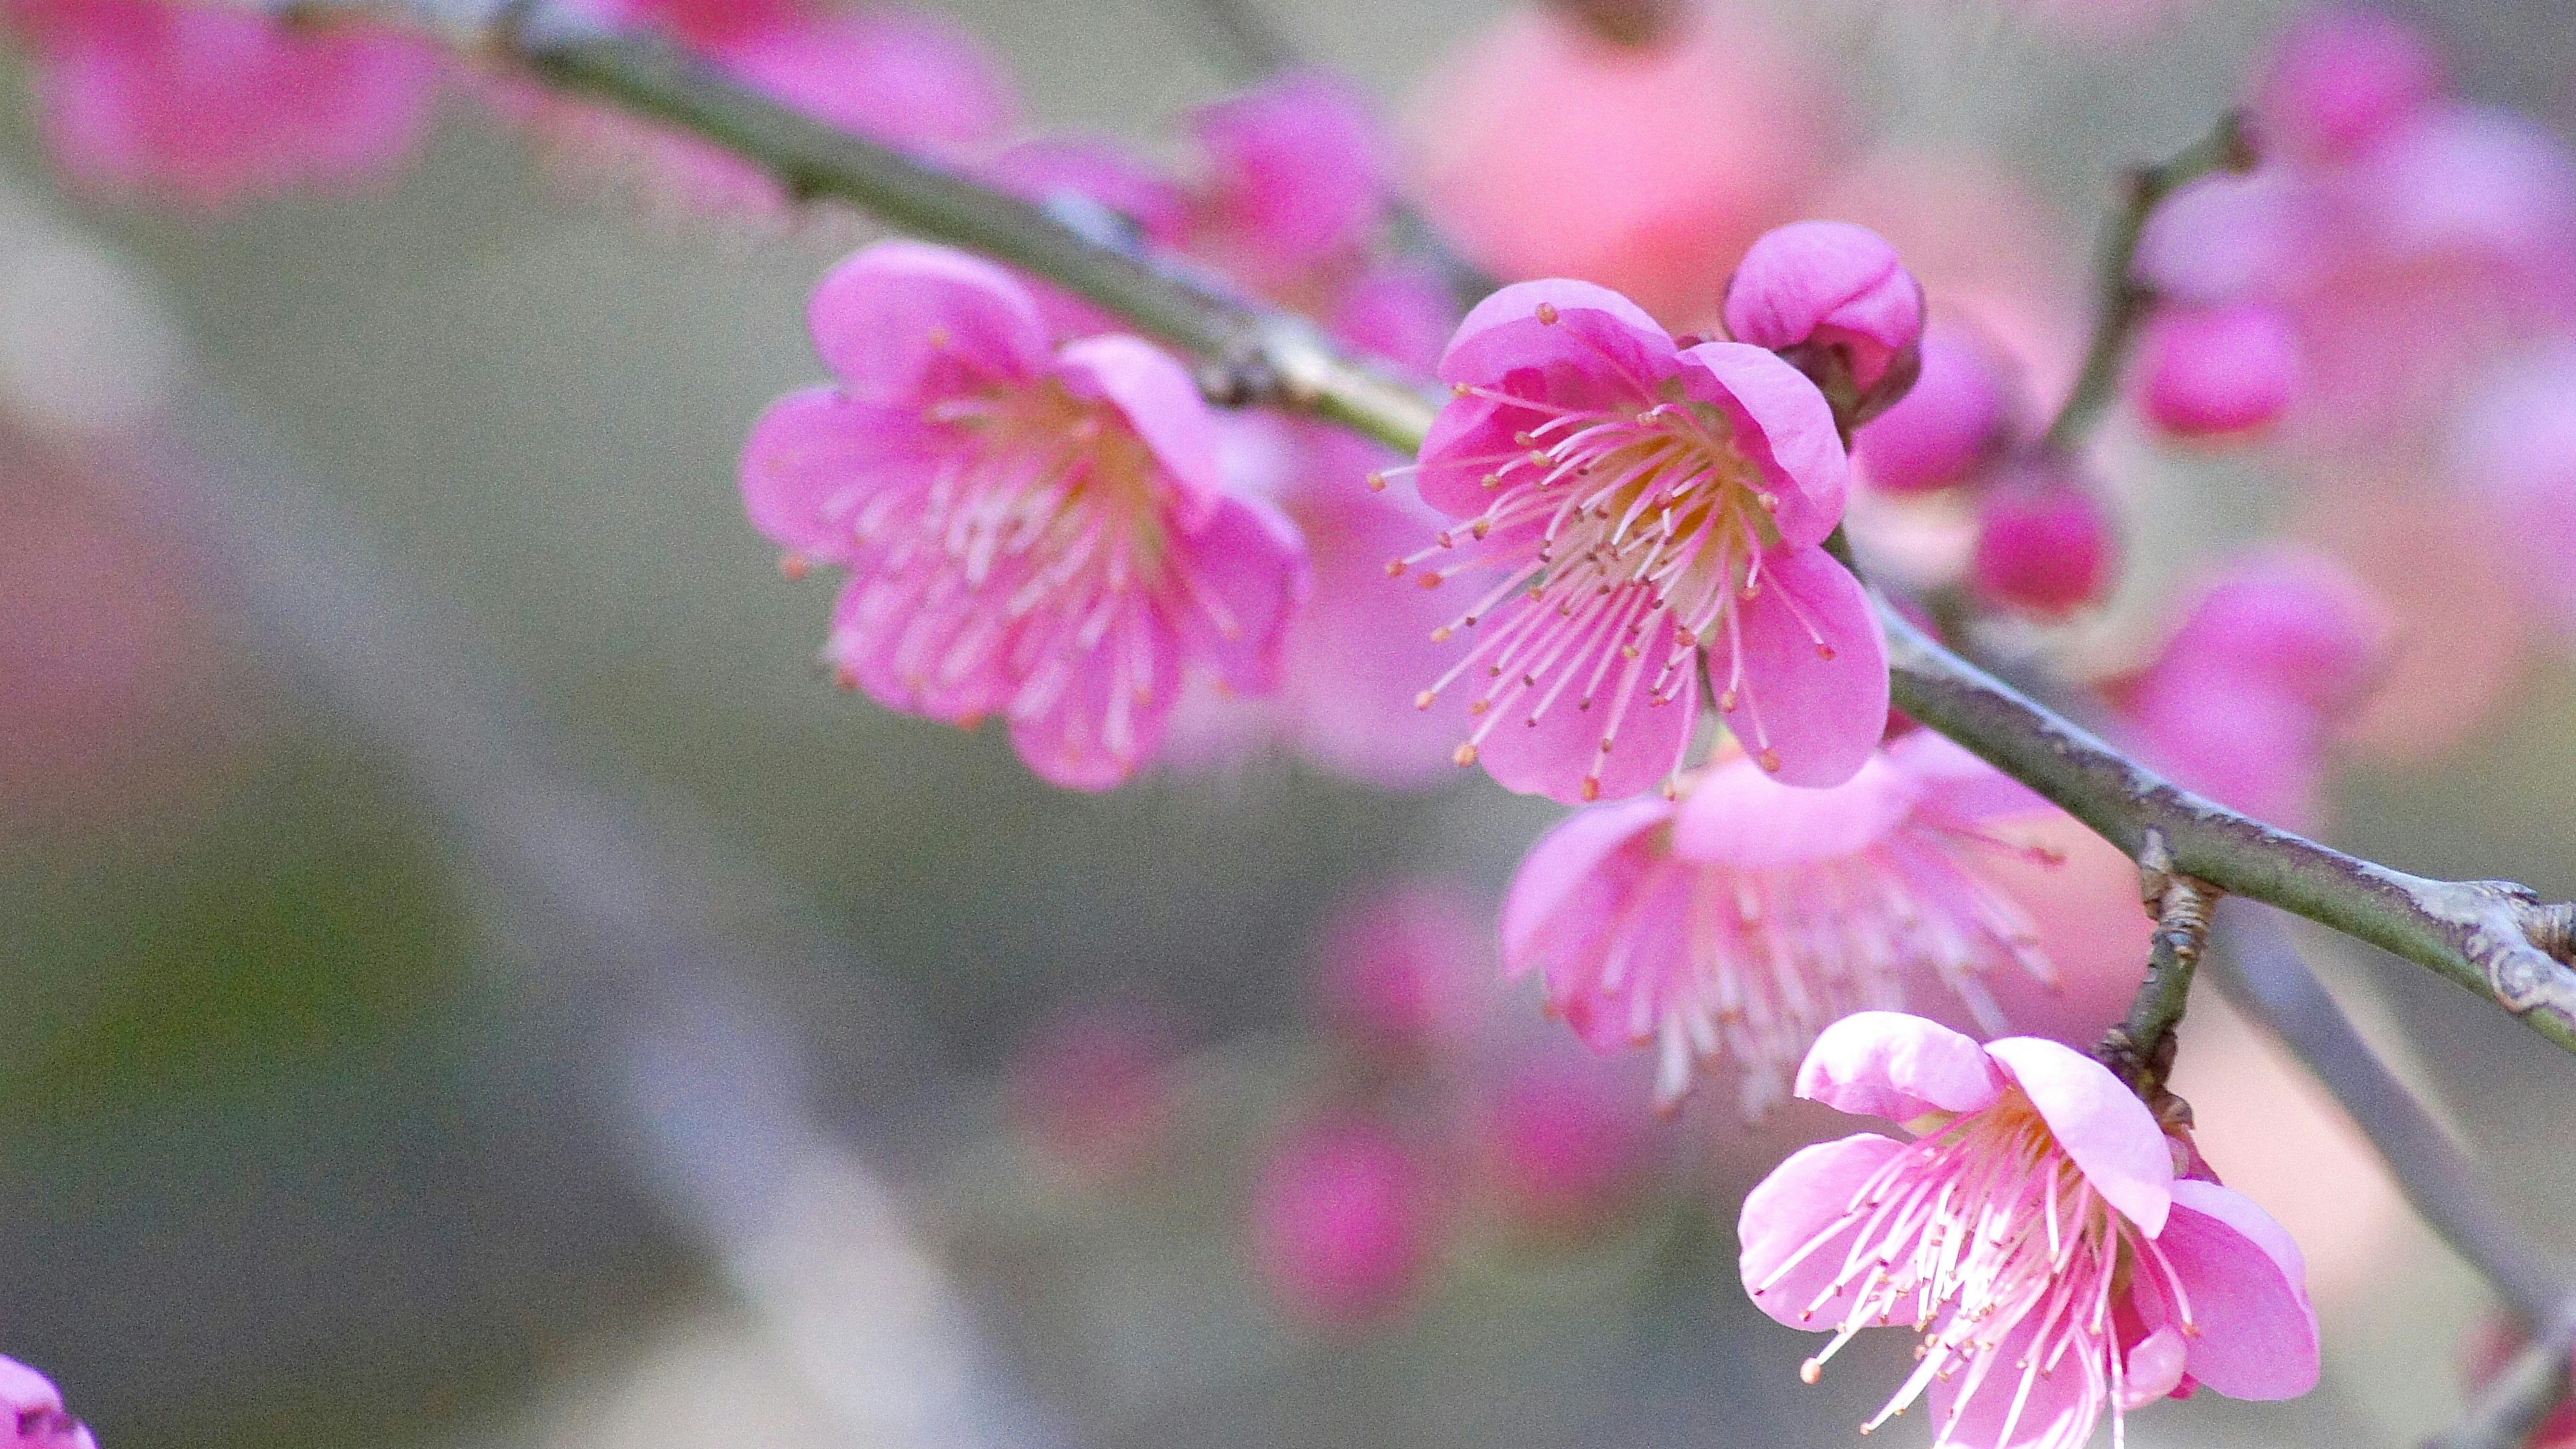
(2491, 937)
(2141, 1048)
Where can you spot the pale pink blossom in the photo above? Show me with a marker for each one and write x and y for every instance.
(2044, 545)
(1835, 300)
(1030, 531)
(1622, 503)
(32, 1414)
(1404, 972)
(2035, 1234)
(2214, 371)
(208, 102)
(1952, 423)
(1543, 149)
(2339, 80)
(1733, 925)
(1345, 1223)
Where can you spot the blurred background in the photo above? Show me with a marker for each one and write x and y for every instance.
(579, 1025)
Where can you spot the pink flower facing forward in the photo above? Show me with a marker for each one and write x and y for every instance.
(2035, 1234)
(209, 102)
(34, 1415)
(1031, 535)
(1734, 925)
(1641, 501)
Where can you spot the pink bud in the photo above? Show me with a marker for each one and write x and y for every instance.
(2208, 371)
(2340, 79)
(1092, 1089)
(31, 1412)
(1404, 973)
(1949, 423)
(1566, 1144)
(2296, 620)
(1827, 289)
(1344, 1223)
(2044, 546)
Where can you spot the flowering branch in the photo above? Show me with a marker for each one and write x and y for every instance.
(2491, 937)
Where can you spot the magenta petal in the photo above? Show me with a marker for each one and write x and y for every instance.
(2099, 1121)
(1248, 577)
(1522, 301)
(1900, 1067)
(1095, 733)
(1562, 863)
(2247, 1283)
(1160, 399)
(900, 321)
(1466, 439)
(1814, 668)
(1803, 1198)
(1555, 756)
(2060, 1412)
(1791, 433)
(1738, 815)
(815, 457)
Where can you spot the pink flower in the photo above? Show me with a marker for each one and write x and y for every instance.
(1093, 1089)
(2207, 372)
(1950, 423)
(209, 102)
(1834, 299)
(1565, 1147)
(34, 1416)
(1405, 973)
(1735, 924)
(1632, 503)
(2044, 545)
(1345, 1224)
(1296, 178)
(2513, 453)
(2341, 79)
(1031, 533)
(1543, 150)
(2035, 1234)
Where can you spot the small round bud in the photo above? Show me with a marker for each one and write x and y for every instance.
(1344, 1224)
(2212, 371)
(2044, 547)
(1834, 299)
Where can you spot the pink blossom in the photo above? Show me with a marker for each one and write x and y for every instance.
(2044, 545)
(1029, 532)
(2513, 453)
(2035, 1234)
(1565, 1147)
(1543, 149)
(1950, 423)
(1405, 971)
(1735, 924)
(1345, 1223)
(1834, 299)
(1093, 1089)
(209, 102)
(34, 1412)
(2208, 372)
(1296, 178)
(1639, 502)
(2340, 80)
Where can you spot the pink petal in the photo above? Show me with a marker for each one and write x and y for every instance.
(1815, 670)
(1900, 1067)
(1802, 1198)
(1097, 169)
(1562, 864)
(1466, 438)
(1095, 735)
(1298, 170)
(904, 77)
(903, 321)
(1826, 281)
(2152, 1367)
(1401, 311)
(1250, 564)
(1522, 301)
(1957, 788)
(1163, 403)
(1784, 424)
(815, 456)
(1554, 757)
(2060, 1412)
(1738, 815)
(2099, 1121)
(2248, 1288)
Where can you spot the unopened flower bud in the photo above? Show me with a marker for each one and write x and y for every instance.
(2210, 371)
(1344, 1223)
(2340, 79)
(1834, 299)
(1566, 1144)
(1951, 421)
(2044, 546)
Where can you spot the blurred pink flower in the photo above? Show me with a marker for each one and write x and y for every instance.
(1836, 301)
(34, 1412)
(2035, 1234)
(1032, 532)
(1295, 179)
(1093, 1089)
(2044, 545)
(208, 102)
(1952, 422)
(2339, 80)
(1543, 149)
(1737, 923)
(2274, 652)
(1650, 501)
(1345, 1224)
(1406, 972)
(2513, 454)
(1564, 1145)
(2212, 371)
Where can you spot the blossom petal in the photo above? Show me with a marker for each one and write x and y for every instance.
(1521, 301)
(1975, 1406)
(1786, 427)
(1103, 722)
(1803, 1199)
(815, 457)
(2099, 1121)
(1161, 402)
(1562, 864)
(2153, 1367)
(1897, 1066)
(1958, 789)
(1814, 669)
(1738, 815)
(1555, 756)
(1248, 576)
(901, 322)
(2247, 1283)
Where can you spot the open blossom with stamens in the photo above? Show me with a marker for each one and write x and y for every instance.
(1032, 532)
(2034, 1232)
(1735, 924)
(1623, 503)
